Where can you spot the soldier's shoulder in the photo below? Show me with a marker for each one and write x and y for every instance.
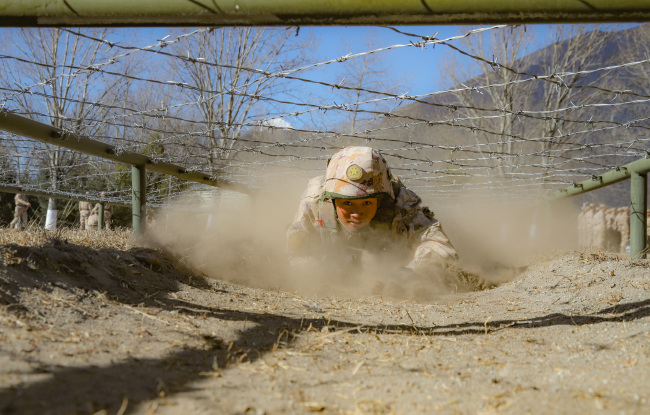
(314, 188)
(410, 212)
(406, 198)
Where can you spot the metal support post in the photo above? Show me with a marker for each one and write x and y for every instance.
(639, 190)
(100, 216)
(138, 197)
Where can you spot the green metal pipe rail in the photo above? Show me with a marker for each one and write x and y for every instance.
(641, 166)
(313, 12)
(637, 172)
(26, 127)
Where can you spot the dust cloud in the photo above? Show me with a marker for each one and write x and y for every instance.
(496, 238)
(242, 239)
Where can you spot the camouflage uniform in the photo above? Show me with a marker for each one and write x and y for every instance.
(599, 228)
(588, 222)
(612, 235)
(92, 221)
(401, 225)
(622, 223)
(84, 212)
(20, 212)
(150, 218)
(647, 229)
(582, 241)
(108, 214)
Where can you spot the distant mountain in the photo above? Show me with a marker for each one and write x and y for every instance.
(551, 133)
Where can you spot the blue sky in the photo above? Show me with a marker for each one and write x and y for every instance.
(420, 70)
(419, 65)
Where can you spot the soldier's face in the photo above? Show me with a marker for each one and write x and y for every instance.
(356, 214)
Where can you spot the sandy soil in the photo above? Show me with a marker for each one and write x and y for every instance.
(92, 330)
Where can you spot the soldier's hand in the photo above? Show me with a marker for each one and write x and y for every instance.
(465, 280)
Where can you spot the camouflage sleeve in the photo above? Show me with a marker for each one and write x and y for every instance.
(431, 247)
(434, 249)
(304, 226)
(21, 200)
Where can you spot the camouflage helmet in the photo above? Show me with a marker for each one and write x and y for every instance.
(357, 173)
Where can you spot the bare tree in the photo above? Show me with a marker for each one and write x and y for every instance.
(231, 73)
(53, 76)
(15, 160)
(636, 48)
(634, 79)
(488, 100)
(543, 86)
(572, 49)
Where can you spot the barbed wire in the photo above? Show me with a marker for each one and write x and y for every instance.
(597, 134)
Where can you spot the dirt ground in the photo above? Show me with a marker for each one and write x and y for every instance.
(92, 329)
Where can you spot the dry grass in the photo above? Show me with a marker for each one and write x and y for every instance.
(121, 238)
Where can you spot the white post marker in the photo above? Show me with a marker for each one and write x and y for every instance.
(50, 219)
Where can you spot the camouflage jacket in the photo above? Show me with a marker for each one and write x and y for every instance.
(83, 205)
(622, 223)
(402, 227)
(21, 200)
(108, 209)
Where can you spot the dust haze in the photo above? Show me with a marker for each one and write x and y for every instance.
(241, 238)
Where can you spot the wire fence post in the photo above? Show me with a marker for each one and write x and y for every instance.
(100, 216)
(638, 206)
(138, 197)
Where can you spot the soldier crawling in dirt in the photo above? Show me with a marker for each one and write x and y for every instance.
(20, 212)
(360, 206)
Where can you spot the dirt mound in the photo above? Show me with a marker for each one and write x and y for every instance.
(126, 275)
(87, 330)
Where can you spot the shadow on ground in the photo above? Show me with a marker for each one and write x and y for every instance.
(90, 388)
